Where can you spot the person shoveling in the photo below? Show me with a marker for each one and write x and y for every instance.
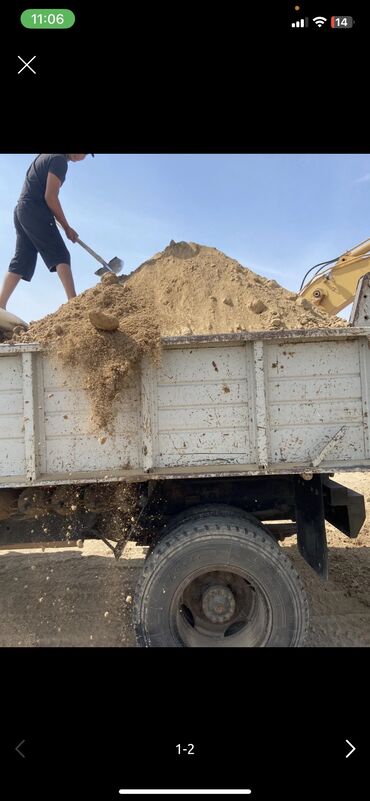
(35, 217)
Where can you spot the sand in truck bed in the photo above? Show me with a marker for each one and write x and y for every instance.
(185, 289)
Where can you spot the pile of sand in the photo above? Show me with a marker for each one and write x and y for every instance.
(186, 289)
(199, 290)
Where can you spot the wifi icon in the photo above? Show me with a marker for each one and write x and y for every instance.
(320, 21)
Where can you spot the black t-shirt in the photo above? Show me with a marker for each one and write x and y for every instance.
(35, 182)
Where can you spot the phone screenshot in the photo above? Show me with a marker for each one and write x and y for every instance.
(184, 401)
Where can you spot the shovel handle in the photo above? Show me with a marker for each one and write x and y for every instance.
(92, 253)
(89, 250)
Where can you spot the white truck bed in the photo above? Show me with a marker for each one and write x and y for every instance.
(244, 404)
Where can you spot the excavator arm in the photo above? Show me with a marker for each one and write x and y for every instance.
(335, 288)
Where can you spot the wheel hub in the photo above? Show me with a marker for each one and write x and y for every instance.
(218, 603)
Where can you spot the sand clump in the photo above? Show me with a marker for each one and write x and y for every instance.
(103, 322)
(185, 289)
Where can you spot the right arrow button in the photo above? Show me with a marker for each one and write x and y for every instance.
(352, 747)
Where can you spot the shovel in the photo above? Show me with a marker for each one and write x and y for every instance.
(113, 266)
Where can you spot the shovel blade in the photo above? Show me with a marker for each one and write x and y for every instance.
(116, 265)
(113, 266)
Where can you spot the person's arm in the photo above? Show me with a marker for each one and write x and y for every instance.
(53, 185)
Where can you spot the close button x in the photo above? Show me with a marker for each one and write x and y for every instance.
(27, 64)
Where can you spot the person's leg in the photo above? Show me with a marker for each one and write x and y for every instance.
(52, 249)
(22, 264)
(10, 282)
(65, 274)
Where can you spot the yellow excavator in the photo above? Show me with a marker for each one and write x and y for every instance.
(341, 281)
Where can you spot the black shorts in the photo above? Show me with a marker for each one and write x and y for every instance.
(36, 233)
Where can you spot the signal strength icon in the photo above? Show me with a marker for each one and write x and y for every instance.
(319, 21)
(301, 23)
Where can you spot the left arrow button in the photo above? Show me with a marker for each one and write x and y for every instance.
(19, 747)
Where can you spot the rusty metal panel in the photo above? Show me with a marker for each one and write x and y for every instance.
(312, 359)
(203, 406)
(31, 418)
(318, 387)
(325, 411)
(245, 404)
(292, 335)
(315, 402)
(260, 413)
(302, 446)
(148, 424)
(201, 364)
(12, 451)
(217, 393)
(365, 391)
(73, 443)
(203, 448)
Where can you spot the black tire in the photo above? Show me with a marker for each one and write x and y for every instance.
(216, 582)
(194, 513)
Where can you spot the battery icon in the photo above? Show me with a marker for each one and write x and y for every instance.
(341, 22)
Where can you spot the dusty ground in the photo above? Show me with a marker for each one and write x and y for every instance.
(340, 607)
(84, 597)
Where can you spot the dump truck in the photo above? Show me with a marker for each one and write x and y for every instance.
(232, 444)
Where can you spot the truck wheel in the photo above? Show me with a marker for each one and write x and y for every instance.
(211, 510)
(218, 582)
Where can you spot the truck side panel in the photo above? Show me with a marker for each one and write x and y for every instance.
(315, 399)
(71, 442)
(204, 398)
(46, 426)
(12, 450)
(272, 402)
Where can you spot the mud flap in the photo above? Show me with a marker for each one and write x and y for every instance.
(311, 533)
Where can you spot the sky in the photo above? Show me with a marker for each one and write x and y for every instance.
(277, 214)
